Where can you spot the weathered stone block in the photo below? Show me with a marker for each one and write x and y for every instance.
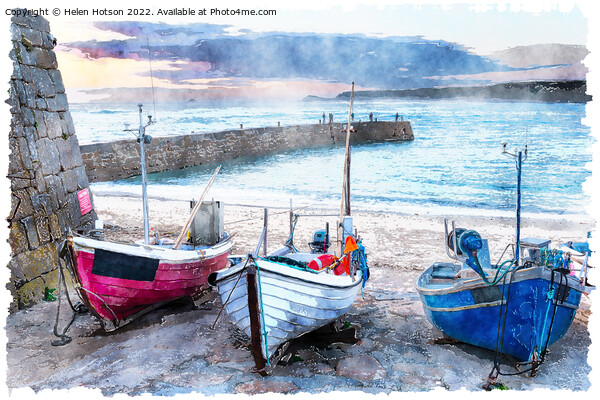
(20, 180)
(15, 32)
(13, 97)
(54, 226)
(35, 37)
(28, 117)
(86, 221)
(40, 103)
(32, 292)
(43, 229)
(31, 231)
(45, 58)
(64, 220)
(19, 90)
(49, 156)
(31, 21)
(40, 182)
(29, 95)
(74, 210)
(31, 137)
(56, 191)
(26, 72)
(53, 124)
(42, 203)
(51, 104)
(68, 126)
(21, 205)
(56, 78)
(14, 160)
(40, 124)
(23, 54)
(70, 180)
(17, 239)
(62, 104)
(48, 41)
(40, 24)
(43, 83)
(21, 19)
(68, 149)
(23, 150)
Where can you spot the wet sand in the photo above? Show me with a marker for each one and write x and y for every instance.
(173, 350)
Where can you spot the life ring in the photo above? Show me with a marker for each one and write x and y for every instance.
(323, 261)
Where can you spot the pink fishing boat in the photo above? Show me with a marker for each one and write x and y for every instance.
(119, 282)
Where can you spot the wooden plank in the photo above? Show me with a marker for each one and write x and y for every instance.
(254, 312)
(188, 223)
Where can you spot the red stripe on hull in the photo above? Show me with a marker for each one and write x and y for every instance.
(126, 297)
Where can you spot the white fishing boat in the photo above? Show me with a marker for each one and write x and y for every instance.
(277, 298)
(284, 295)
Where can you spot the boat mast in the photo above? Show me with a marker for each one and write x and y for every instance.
(144, 182)
(519, 156)
(345, 206)
(142, 138)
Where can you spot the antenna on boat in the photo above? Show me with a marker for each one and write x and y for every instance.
(520, 156)
(151, 77)
(142, 139)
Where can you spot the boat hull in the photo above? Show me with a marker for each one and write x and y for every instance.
(293, 302)
(469, 311)
(117, 282)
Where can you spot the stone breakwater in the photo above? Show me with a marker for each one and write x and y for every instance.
(121, 159)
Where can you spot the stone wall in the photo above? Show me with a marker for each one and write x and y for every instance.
(121, 159)
(45, 166)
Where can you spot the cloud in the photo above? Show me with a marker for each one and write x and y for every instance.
(220, 59)
(210, 51)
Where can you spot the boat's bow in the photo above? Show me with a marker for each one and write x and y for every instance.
(276, 300)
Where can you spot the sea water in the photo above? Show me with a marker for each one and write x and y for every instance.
(454, 163)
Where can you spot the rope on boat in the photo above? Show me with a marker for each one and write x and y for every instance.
(230, 293)
(275, 213)
(290, 241)
(103, 301)
(535, 362)
(77, 308)
(550, 298)
(493, 375)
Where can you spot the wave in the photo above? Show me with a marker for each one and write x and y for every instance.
(107, 112)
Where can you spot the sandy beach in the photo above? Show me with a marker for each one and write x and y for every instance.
(173, 350)
(409, 242)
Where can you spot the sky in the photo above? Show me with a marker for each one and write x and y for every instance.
(483, 27)
(480, 28)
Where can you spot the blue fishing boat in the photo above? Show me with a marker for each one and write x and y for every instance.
(517, 307)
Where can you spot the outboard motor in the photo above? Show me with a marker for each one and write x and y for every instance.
(320, 243)
(469, 243)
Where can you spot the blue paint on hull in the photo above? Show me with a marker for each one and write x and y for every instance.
(528, 318)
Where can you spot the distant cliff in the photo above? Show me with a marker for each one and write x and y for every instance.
(542, 91)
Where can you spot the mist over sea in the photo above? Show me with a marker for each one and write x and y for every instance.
(454, 163)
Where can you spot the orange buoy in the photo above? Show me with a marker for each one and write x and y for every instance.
(323, 261)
